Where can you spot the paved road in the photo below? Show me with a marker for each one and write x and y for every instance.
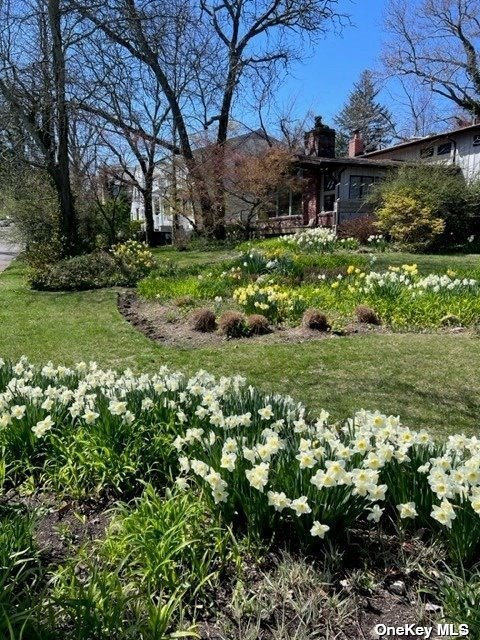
(8, 250)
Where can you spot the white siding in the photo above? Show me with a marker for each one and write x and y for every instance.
(162, 221)
(464, 154)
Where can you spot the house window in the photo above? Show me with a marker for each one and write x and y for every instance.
(361, 185)
(426, 152)
(444, 149)
(476, 141)
(287, 203)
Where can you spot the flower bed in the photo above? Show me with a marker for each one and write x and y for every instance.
(207, 472)
(265, 464)
(281, 278)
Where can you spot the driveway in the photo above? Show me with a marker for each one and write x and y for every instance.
(8, 249)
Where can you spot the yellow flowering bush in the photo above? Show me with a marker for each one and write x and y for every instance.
(409, 220)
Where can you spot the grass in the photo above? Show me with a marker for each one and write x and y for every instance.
(188, 258)
(428, 379)
(163, 556)
(429, 263)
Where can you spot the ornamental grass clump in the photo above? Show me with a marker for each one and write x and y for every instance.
(366, 315)
(316, 320)
(203, 320)
(233, 324)
(258, 325)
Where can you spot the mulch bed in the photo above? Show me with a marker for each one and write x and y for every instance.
(168, 324)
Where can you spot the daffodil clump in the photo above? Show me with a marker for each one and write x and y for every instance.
(282, 470)
(404, 298)
(261, 461)
(135, 258)
(277, 303)
(377, 242)
(320, 239)
(255, 262)
(396, 279)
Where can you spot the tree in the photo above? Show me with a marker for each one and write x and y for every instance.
(417, 110)
(363, 113)
(227, 46)
(255, 171)
(122, 99)
(437, 41)
(33, 83)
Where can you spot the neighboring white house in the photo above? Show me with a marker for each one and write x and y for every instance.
(249, 142)
(460, 148)
(162, 205)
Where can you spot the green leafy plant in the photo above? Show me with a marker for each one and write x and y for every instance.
(159, 558)
(21, 575)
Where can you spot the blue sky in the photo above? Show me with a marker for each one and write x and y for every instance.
(322, 83)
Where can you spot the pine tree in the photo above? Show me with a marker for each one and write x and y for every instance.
(362, 112)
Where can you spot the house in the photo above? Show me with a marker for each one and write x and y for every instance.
(460, 148)
(172, 171)
(336, 187)
(162, 202)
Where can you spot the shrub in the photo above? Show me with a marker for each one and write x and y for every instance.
(258, 324)
(89, 271)
(203, 320)
(314, 319)
(360, 228)
(124, 266)
(233, 324)
(367, 315)
(29, 199)
(409, 221)
(423, 206)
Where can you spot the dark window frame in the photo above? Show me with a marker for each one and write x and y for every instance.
(363, 187)
(444, 149)
(294, 205)
(426, 152)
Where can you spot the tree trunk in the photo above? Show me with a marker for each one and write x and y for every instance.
(147, 193)
(61, 171)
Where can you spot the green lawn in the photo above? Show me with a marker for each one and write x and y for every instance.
(430, 380)
(429, 263)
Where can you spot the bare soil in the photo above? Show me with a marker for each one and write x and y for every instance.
(169, 324)
(63, 525)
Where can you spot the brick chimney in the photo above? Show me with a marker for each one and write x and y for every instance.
(356, 146)
(320, 141)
